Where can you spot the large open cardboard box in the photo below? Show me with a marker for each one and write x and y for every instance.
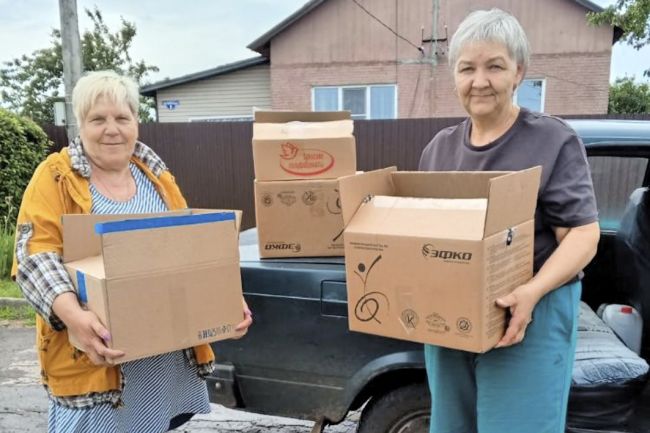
(300, 218)
(428, 253)
(303, 145)
(158, 282)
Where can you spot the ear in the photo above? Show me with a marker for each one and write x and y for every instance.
(519, 77)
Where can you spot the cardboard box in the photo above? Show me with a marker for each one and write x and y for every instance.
(428, 253)
(298, 218)
(303, 145)
(158, 282)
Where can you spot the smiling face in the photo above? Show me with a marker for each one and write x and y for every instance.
(486, 77)
(109, 132)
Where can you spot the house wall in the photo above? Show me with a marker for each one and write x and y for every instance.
(229, 95)
(340, 44)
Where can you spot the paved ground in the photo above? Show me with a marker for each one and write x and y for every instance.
(23, 403)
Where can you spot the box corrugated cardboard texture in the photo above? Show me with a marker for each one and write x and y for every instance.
(428, 253)
(303, 145)
(298, 218)
(157, 282)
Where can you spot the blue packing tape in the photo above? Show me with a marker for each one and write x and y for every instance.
(81, 284)
(159, 222)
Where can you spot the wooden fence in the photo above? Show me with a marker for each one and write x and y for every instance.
(213, 163)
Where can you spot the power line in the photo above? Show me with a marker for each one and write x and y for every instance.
(420, 49)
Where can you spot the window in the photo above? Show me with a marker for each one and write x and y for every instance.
(615, 178)
(363, 102)
(530, 94)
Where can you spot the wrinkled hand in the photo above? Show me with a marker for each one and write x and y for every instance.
(88, 332)
(520, 303)
(242, 327)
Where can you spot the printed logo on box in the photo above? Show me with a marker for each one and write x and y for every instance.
(304, 162)
(429, 251)
(283, 246)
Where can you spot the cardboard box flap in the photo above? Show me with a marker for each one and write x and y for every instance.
(238, 215)
(300, 116)
(149, 245)
(512, 199)
(444, 184)
(436, 218)
(355, 188)
(297, 131)
(80, 239)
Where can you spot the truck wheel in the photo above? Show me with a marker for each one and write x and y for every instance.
(403, 410)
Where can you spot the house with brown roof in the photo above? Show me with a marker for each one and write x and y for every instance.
(388, 58)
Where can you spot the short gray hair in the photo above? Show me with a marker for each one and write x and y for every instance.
(494, 25)
(93, 85)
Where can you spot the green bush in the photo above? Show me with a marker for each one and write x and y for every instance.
(23, 145)
(6, 242)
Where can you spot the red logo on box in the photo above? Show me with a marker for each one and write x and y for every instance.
(304, 162)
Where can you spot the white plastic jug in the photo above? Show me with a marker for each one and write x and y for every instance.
(626, 323)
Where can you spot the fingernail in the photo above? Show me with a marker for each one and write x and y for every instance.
(106, 337)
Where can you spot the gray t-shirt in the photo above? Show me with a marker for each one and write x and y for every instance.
(566, 195)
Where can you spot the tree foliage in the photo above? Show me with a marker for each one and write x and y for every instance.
(628, 97)
(632, 16)
(32, 83)
(23, 145)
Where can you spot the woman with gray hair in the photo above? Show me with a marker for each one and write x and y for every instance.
(523, 384)
(105, 170)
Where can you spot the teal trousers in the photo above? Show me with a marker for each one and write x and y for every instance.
(518, 389)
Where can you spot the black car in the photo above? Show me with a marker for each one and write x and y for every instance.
(300, 360)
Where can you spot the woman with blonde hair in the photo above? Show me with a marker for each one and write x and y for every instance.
(105, 170)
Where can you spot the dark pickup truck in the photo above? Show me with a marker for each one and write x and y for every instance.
(300, 360)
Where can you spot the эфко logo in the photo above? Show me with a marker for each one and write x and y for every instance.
(304, 162)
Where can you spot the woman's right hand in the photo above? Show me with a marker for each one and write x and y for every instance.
(85, 330)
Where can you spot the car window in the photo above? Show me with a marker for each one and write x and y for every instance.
(615, 178)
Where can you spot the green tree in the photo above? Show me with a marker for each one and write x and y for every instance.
(632, 16)
(23, 145)
(32, 83)
(628, 97)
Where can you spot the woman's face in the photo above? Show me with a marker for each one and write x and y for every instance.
(486, 77)
(108, 133)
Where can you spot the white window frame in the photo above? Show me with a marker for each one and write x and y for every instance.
(515, 96)
(357, 86)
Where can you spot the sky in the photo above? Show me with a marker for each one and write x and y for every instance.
(194, 35)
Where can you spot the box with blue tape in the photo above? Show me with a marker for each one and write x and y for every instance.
(158, 282)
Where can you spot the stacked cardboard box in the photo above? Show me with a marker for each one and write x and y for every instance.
(298, 157)
(428, 253)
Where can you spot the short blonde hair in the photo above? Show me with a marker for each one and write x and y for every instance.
(93, 85)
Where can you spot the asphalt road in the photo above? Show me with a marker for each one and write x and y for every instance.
(23, 401)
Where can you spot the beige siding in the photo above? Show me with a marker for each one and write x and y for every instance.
(231, 94)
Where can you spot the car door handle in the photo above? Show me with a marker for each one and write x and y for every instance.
(334, 299)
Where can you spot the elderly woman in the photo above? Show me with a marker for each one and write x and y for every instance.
(104, 170)
(523, 384)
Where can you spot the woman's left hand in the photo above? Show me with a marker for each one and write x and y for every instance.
(521, 303)
(242, 327)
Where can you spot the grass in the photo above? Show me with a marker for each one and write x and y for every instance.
(23, 314)
(9, 289)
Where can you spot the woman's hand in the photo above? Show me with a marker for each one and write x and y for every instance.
(520, 303)
(85, 329)
(242, 327)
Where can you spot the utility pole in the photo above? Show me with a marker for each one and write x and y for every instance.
(71, 46)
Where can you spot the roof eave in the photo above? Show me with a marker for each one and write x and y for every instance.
(151, 89)
(262, 43)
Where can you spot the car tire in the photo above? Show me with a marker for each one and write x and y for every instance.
(402, 410)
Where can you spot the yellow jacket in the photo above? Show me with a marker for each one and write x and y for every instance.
(56, 189)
